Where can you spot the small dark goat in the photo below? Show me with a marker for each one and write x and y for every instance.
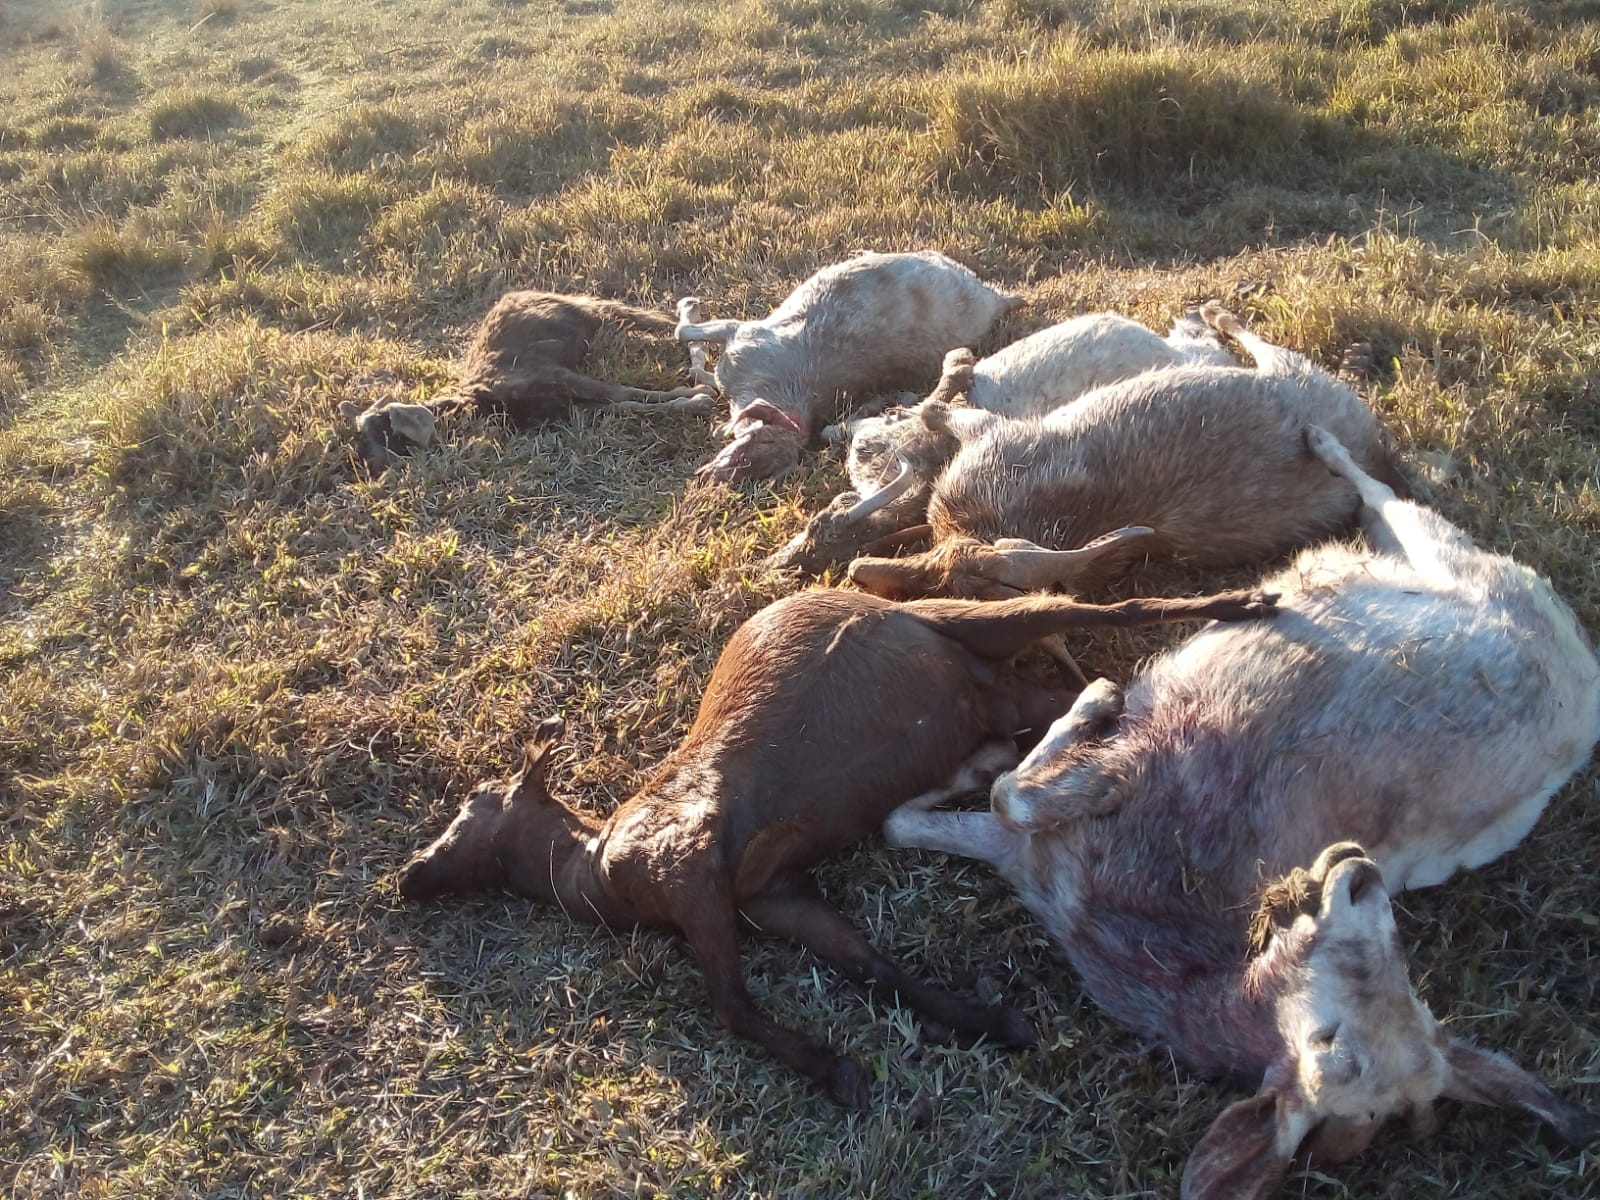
(1205, 464)
(874, 323)
(826, 711)
(523, 365)
(1422, 697)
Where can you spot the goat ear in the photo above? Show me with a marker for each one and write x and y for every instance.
(414, 422)
(1247, 1151)
(536, 755)
(935, 414)
(891, 578)
(1481, 1076)
(350, 410)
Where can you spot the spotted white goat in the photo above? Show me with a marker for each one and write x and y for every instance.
(1424, 698)
(875, 323)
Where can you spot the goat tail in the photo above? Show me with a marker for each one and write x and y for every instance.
(998, 629)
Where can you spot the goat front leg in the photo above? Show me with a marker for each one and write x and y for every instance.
(988, 762)
(792, 908)
(970, 834)
(689, 315)
(1016, 796)
(1095, 709)
(709, 922)
(694, 329)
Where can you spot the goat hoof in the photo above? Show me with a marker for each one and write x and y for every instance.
(1013, 1029)
(848, 1084)
(1100, 702)
(1245, 604)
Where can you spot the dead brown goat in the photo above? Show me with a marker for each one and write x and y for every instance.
(827, 711)
(523, 365)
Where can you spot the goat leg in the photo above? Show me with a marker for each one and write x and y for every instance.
(988, 762)
(693, 329)
(997, 629)
(707, 919)
(587, 391)
(793, 908)
(1056, 647)
(693, 401)
(970, 834)
(698, 355)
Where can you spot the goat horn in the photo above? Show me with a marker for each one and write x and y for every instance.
(1039, 555)
(884, 496)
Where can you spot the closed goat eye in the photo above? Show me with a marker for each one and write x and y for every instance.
(1324, 1038)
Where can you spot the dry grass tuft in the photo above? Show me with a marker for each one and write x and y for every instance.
(217, 10)
(192, 112)
(240, 681)
(109, 256)
(96, 48)
(1074, 118)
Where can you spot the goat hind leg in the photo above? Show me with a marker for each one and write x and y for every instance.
(1394, 526)
(1272, 360)
(793, 908)
(589, 392)
(690, 400)
(708, 920)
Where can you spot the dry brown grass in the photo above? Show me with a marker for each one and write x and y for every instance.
(239, 683)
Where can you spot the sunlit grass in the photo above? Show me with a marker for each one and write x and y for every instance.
(239, 680)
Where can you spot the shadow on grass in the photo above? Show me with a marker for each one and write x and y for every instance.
(30, 530)
(1185, 156)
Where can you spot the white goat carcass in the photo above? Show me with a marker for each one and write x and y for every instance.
(877, 322)
(1029, 378)
(1203, 464)
(1421, 700)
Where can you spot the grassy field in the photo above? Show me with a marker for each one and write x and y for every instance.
(239, 682)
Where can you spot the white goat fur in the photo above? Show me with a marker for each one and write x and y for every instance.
(874, 322)
(1056, 365)
(1423, 698)
(1045, 370)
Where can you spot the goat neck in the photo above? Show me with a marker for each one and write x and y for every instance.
(514, 834)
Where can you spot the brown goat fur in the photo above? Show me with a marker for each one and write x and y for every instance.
(523, 365)
(1207, 463)
(827, 710)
